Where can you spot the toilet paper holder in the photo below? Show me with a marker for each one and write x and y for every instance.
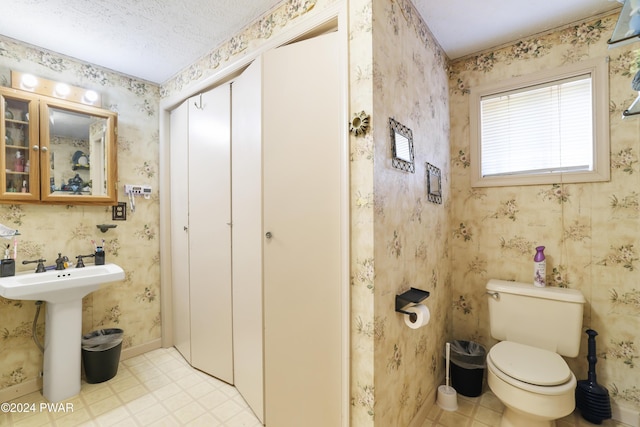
(412, 296)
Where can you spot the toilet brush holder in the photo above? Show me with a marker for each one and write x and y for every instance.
(447, 398)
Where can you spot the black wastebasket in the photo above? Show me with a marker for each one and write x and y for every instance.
(467, 367)
(101, 354)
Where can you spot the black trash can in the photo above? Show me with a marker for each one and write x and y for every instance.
(468, 361)
(101, 354)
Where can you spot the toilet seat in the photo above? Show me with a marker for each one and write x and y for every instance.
(518, 365)
(521, 362)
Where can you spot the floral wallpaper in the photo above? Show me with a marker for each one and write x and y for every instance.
(133, 304)
(590, 230)
(399, 239)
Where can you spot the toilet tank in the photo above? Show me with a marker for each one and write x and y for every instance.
(548, 318)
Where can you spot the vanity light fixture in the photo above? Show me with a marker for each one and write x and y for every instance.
(31, 83)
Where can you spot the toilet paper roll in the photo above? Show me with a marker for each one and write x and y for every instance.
(421, 317)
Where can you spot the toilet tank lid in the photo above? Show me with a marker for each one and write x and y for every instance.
(547, 292)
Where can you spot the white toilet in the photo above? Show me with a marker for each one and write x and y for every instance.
(524, 370)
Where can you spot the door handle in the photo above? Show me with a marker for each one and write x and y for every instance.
(268, 235)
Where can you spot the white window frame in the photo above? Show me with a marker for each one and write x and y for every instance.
(598, 68)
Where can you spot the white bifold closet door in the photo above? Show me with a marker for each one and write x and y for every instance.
(179, 190)
(287, 187)
(201, 264)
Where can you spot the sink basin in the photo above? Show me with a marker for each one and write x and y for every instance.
(63, 291)
(59, 285)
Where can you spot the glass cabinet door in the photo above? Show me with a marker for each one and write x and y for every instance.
(78, 149)
(20, 149)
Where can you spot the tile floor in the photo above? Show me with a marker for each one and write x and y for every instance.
(157, 388)
(485, 411)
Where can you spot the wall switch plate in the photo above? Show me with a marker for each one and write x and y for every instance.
(119, 212)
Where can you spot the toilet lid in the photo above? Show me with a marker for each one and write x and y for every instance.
(525, 363)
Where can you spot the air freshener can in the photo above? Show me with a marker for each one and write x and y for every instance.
(539, 267)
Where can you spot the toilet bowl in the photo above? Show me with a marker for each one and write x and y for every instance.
(535, 385)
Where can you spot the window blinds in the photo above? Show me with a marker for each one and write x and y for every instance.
(538, 129)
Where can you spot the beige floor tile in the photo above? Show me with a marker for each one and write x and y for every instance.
(97, 395)
(189, 412)
(113, 417)
(151, 414)
(466, 407)
(206, 420)
(453, 419)
(488, 416)
(132, 393)
(213, 399)
(489, 400)
(124, 384)
(77, 418)
(36, 419)
(103, 406)
(177, 401)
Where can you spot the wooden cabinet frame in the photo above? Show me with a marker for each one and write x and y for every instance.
(30, 116)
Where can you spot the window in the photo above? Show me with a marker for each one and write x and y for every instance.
(543, 128)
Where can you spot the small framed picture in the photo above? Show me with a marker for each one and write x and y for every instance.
(434, 184)
(401, 146)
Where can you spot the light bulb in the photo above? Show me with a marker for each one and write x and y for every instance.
(28, 81)
(90, 96)
(62, 90)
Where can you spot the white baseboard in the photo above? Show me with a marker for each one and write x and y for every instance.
(30, 386)
(625, 415)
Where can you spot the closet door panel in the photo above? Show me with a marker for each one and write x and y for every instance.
(210, 233)
(247, 235)
(303, 129)
(179, 143)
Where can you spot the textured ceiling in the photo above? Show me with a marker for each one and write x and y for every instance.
(155, 39)
(149, 39)
(463, 27)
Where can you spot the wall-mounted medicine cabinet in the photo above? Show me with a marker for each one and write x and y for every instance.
(56, 151)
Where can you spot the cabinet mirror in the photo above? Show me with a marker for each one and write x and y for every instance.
(81, 153)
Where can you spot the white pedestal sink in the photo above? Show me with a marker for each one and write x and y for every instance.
(63, 291)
